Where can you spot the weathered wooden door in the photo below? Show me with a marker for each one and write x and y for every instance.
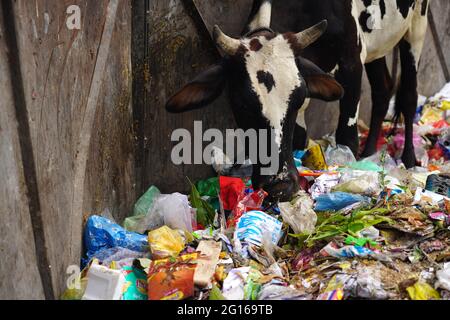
(66, 134)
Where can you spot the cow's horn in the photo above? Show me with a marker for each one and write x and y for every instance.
(309, 36)
(262, 16)
(224, 42)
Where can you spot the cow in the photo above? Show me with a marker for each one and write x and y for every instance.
(271, 76)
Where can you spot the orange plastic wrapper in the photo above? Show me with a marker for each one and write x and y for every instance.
(172, 279)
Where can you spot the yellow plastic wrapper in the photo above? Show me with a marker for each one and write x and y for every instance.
(315, 158)
(431, 115)
(165, 242)
(445, 105)
(422, 291)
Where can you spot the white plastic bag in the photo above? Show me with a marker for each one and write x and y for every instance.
(299, 213)
(175, 210)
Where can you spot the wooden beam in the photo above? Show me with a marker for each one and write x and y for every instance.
(84, 139)
(26, 149)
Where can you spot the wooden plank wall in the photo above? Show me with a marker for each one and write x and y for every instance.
(176, 50)
(76, 93)
(19, 274)
(71, 142)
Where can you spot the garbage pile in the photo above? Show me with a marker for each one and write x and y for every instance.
(367, 229)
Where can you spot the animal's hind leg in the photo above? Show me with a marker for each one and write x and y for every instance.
(406, 101)
(381, 84)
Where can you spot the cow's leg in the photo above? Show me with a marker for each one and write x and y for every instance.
(300, 132)
(381, 84)
(300, 137)
(349, 76)
(406, 101)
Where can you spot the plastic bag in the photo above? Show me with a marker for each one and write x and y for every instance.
(100, 233)
(279, 292)
(443, 277)
(209, 187)
(389, 162)
(253, 225)
(231, 189)
(315, 158)
(175, 210)
(242, 284)
(337, 200)
(367, 184)
(365, 165)
(299, 213)
(339, 155)
(234, 283)
(323, 184)
(422, 291)
(109, 255)
(141, 209)
(165, 242)
(247, 202)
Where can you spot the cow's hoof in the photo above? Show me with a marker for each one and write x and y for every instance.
(409, 159)
(368, 152)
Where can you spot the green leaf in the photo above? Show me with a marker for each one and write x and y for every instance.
(205, 212)
(355, 227)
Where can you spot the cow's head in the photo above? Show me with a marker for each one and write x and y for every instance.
(268, 83)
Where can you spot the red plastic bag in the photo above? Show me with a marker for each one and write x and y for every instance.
(249, 202)
(231, 190)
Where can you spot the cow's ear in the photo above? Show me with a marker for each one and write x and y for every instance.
(201, 91)
(320, 84)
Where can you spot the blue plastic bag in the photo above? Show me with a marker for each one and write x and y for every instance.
(101, 233)
(298, 155)
(337, 200)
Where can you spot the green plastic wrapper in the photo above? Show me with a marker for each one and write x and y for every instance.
(209, 187)
(136, 285)
(141, 209)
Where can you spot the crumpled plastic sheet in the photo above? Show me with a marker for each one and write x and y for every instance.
(254, 225)
(277, 292)
(299, 213)
(101, 233)
(233, 285)
(324, 184)
(122, 256)
(339, 155)
(176, 211)
(359, 182)
(443, 277)
(337, 200)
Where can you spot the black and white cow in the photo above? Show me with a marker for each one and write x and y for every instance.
(271, 76)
